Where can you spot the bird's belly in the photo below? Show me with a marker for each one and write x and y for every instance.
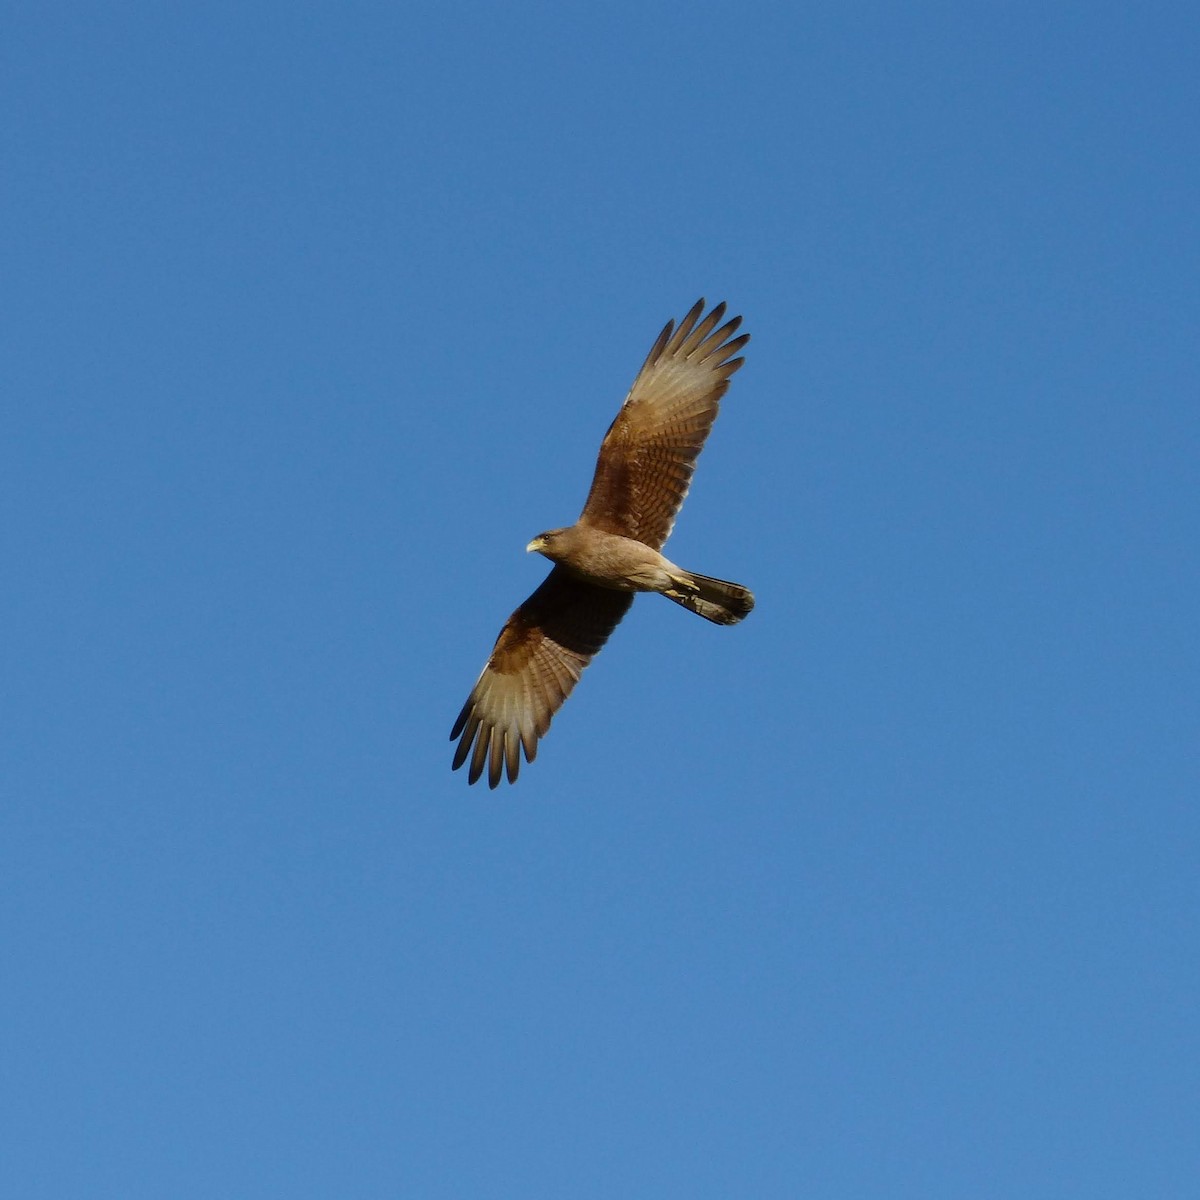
(621, 563)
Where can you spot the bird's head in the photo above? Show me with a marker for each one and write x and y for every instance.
(544, 543)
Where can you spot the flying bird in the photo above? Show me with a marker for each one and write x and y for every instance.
(613, 551)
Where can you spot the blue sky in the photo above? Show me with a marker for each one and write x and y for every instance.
(314, 316)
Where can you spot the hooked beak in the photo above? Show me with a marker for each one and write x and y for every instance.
(538, 543)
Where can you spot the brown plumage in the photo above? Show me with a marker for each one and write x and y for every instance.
(642, 476)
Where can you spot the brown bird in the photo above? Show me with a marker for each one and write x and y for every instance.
(642, 475)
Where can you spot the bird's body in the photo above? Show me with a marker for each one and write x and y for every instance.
(612, 560)
(613, 551)
(607, 559)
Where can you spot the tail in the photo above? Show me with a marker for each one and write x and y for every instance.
(714, 599)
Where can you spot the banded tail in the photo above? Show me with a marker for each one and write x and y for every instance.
(715, 600)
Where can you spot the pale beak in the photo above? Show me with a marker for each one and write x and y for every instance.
(537, 544)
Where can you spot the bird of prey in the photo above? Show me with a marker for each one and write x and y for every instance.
(642, 475)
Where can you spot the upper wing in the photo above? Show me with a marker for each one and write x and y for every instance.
(537, 660)
(649, 453)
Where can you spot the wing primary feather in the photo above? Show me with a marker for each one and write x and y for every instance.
(686, 325)
(732, 347)
(688, 349)
(464, 747)
(529, 742)
(657, 348)
(713, 344)
(462, 717)
(496, 759)
(480, 754)
(512, 753)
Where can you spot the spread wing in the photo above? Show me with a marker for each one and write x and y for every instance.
(649, 453)
(537, 660)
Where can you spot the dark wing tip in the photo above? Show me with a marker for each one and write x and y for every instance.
(460, 754)
(728, 329)
(724, 360)
(659, 344)
(687, 324)
(461, 722)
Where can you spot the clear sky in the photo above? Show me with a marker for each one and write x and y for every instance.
(313, 316)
